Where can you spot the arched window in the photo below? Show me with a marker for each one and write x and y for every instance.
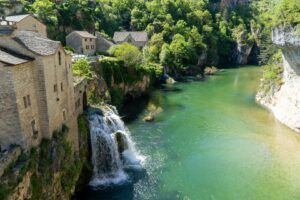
(59, 58)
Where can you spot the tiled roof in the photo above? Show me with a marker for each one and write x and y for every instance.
(12, 58)
(137, 36)
(16, 18)
(84, 34)
(37, 43)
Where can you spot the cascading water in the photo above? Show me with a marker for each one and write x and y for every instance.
(112, 148)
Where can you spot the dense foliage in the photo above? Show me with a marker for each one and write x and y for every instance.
(197, 27)
(182, 32)
(82, 68)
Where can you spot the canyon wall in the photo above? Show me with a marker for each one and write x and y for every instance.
(285, 103)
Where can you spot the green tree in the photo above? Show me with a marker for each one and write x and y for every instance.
(129, 53)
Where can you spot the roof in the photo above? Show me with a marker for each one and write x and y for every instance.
(137, 36)
(103, 39)
(13, 58)
(16, 18)
(37, 43)
(84, 34)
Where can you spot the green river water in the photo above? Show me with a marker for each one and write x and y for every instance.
(213, 142)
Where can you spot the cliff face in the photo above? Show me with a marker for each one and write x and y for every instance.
(285, 103)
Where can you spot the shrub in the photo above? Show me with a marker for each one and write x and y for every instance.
(82, 68)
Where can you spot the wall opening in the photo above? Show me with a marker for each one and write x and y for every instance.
(84, 101)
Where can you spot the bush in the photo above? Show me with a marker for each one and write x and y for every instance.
(82, 68)
(272, 75)
(128, 53)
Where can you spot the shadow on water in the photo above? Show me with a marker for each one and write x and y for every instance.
(171, 89)
(134, 107)
(124, 191)
(121, 192)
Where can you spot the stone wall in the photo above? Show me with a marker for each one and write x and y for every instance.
(285, 103)
(31, 24)
(10, 132)
(80, 89)
(73, 40)
(103, 45)
(89, 46)
(51, 89)
(25, 90)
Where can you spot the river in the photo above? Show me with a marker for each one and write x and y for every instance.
(212, 142)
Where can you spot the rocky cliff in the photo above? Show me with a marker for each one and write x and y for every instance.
(285, 102)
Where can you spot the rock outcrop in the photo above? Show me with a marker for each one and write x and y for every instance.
(285, 103)
(243, 49)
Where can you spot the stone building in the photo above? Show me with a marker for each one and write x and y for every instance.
(26, 22)
(83, 42)
(138, 39)
(103, 44)
(36, 89)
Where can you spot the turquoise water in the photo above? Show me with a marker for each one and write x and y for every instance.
(213, 142)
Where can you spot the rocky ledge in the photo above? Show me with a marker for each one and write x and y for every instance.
(285, 103)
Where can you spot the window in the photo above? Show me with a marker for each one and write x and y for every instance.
(33, 128)
(55, 88)
(25, 102)
(92, 46)
(61, 86)
(90, 39)
(59, 58)
(28, 100)
(64, 115)
(87, 46)
(85, 39)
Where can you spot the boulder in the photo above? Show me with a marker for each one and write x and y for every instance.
(121, 141)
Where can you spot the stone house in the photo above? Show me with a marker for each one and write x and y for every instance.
(103, 44)
(26, 22)
(36, 89)
(138, 39)
(83, 42)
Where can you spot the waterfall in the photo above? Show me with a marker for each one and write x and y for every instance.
(113, 150)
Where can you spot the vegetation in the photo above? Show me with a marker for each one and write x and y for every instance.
(272, 75)
(185, 28)
(82, 68)
(129, 54)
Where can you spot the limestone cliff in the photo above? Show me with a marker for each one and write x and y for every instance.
(242, 49)
(285, 102)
